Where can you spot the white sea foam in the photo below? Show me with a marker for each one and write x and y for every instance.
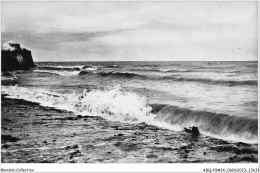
(113, 104)
(61, 66)
(61, 73)
(91, 68)
(3, 78)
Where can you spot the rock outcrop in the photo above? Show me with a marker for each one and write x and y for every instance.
(15, 58)
(193, 130)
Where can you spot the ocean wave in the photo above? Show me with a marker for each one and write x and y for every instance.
(66, 70)
(113, 74)
(58, 72)
(112, 66)
(222, 125)
(212, 81)
(177, 71)
(90, 67)
(176, 78)
(85, 72)
(119, 74)
(59, 68)
(163, 70)
(94, 70)
(119, 105)
(111, 104)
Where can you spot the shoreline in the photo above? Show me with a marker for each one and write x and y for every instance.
(35, 134)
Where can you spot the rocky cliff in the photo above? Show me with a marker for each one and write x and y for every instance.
(14, 57)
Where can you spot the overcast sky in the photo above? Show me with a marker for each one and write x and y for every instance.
(133, 31)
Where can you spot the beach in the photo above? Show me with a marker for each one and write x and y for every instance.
(35, 134)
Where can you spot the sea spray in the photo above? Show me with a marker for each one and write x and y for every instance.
(114, 104)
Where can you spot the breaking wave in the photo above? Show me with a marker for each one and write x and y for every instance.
(111, 104)
(223, 125)
(90, 67)
(58, 72)
(119, 105)
(59, 68)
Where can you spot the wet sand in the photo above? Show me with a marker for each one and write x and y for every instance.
(34, 134)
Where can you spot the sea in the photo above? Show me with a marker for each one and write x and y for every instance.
(220, 98)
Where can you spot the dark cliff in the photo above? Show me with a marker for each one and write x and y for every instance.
(13, 57)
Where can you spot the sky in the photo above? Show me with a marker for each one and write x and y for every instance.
(133, 31)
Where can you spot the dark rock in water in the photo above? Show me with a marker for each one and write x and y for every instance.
(193, 130)
(9, 138)
(15, 58)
